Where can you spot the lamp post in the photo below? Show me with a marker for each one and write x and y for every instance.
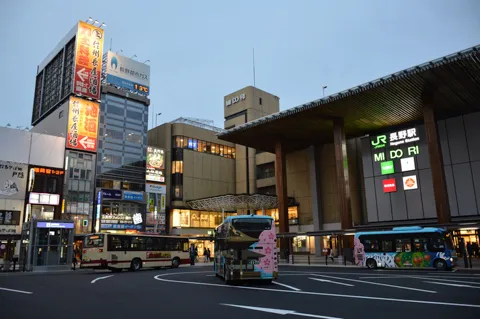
(156, 119)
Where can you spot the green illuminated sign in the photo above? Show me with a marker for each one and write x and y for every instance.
(398, 153)
(381, 141)
(387, 167)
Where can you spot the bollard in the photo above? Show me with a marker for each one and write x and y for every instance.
(326, 260)
(309, 259)
(293, 260)
(344, 260)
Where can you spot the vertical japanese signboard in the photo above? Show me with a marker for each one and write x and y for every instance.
(82, 125)
(88, 60)
(155, 164)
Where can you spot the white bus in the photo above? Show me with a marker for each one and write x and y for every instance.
(117, 252)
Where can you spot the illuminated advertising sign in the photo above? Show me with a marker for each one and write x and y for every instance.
(155, 165)
(387, 167)
(82, 125)
(410, 182)
(48, 171)
(389, 185)
(54, 225)
(88, 60)
(44, 199)
(395, 138)
(128, 74)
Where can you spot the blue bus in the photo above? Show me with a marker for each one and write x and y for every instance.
(246, 248)
(405, 247)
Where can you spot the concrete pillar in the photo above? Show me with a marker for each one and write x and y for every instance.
(341, 168)
(436, 164)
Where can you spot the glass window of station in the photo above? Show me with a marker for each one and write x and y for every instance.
(203, 146)
(197, 219)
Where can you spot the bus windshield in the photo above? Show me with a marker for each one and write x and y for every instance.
(252, 224)
(94, 241)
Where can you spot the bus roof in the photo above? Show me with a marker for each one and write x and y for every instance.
(403, 230)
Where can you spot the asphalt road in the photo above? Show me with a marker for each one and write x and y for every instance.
(194, 292)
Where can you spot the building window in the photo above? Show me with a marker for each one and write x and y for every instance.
(260, 100)
(134, 138)
(60, 114)
(266, 170)
(177, 167)
(203, 146)
(268, 190)
(292, 214)
(197, 219)
(112, 159)
(118, 135)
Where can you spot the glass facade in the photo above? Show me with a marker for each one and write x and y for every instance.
(122, 148)
(203, 146)
(79, 190)
(292, 215)
(187, 218)
(122, 142)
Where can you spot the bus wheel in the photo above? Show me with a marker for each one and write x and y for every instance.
(136, 264)
(440, 264)
(175, 262)
(371, 263)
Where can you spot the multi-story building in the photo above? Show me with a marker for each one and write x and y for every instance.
(202, 168)
(31, 182)
(100, 104)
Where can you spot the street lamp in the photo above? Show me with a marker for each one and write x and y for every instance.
(121, 51)
(156, 118)
(324, 90)
(146, 61)
(134, 56)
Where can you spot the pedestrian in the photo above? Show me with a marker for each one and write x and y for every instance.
(205, 255)
(192, 255)
(74, 262)
(208, 254)
(331, 255)
(196, 253)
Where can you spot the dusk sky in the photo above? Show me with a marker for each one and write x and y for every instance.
(201, 51)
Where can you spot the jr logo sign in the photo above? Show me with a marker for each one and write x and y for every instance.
(379, 141)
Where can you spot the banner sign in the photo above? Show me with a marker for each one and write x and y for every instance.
(13, 180)
(155, 165)
(82, 125)
(54, 225)
(128, 74)
(88, 60)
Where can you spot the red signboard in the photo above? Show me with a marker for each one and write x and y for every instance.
(88, 60)
(389, 185)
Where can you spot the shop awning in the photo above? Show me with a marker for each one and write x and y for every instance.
(236, 202)
(453, 82)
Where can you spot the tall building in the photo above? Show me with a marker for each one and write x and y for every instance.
(208, 179)
(99, 103)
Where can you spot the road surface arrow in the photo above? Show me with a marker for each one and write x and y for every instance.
(331, 282)
(279, 311)
(86, 143)
(449, 284)
(82, 74)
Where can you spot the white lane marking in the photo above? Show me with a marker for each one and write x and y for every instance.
(331, 281)
(100, 278)
(425, 302)
(19, 291)
(378, 284)
(287, 286)
(279, 311)
(449, 284)
(448, 280)
(426, 277)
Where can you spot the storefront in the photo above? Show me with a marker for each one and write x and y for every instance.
(120, 211)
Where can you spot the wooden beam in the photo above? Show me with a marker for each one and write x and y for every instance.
(341, 168)
(436, 164)
(281, 179)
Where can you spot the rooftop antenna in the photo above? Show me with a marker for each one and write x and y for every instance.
(254, 67)
(111, 42)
